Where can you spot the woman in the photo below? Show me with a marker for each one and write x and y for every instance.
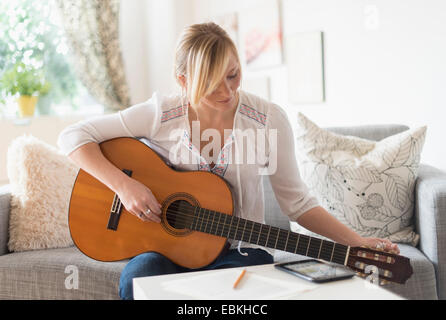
(208, 70)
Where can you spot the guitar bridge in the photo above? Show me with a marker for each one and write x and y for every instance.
(116, 209)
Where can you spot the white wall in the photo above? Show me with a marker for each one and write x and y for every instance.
(395, 73)
(133, 38)
(149, 30)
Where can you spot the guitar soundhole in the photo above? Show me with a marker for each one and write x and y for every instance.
(180, 214)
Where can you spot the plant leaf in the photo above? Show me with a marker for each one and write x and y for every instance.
(397, 157)
(335, 189)
(396, 190)
(364, 173)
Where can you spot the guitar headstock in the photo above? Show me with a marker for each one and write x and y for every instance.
(391, 267)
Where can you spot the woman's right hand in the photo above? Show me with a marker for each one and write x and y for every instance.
(137, 199)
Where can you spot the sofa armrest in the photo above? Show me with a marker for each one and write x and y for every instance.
(430, 216)
(5, 208)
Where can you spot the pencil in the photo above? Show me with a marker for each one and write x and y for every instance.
(239, 278)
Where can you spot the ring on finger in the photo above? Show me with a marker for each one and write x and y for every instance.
(148, 211)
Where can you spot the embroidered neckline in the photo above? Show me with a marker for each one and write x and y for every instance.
(223, 157)
(222, 162)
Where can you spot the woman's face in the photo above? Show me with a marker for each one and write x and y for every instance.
(225, 96)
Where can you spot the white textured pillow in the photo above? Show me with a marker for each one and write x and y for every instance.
(367, 185)
(41, 181)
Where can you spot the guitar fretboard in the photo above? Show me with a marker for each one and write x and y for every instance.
(231, 227)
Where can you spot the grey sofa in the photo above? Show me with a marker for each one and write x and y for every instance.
(68, 274)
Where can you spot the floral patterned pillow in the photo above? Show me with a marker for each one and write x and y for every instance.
(367, 185)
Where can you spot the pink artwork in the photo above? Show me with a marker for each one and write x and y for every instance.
(262, 35)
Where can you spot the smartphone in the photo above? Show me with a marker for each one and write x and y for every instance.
(316, 271)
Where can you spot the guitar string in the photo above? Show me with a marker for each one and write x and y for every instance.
(207, 219)
(117, 202)
(261, 236)
(333, 252)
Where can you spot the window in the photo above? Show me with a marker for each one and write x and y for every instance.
(31, 33)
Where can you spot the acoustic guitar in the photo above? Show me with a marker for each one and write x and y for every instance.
(196, 221)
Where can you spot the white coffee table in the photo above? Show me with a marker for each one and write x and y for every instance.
(163, 287)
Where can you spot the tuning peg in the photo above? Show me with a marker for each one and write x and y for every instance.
(384, 282)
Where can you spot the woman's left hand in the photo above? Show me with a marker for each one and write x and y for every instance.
(381, 244)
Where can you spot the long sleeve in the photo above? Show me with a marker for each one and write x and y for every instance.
(140, 120)
(290, 190)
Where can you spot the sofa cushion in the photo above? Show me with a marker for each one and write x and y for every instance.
(5, 207)
(49, 274)
(58, 274)
(273, 213)
(41, 182)
(376, 132)
(367, 185)
(421, 285)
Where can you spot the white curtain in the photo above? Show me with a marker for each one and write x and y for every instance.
(92, 29)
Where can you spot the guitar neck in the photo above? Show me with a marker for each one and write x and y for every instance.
(223, 225)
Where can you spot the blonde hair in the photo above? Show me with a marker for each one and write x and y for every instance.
(202, 56)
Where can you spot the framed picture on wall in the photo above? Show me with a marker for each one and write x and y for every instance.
(261, 35)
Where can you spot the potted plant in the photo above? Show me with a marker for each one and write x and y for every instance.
(27, 84)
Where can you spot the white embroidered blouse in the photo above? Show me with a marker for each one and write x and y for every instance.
(261, 143)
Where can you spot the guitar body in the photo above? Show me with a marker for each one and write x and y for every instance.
(92, 203)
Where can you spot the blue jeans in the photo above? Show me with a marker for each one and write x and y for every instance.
(155, 264)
